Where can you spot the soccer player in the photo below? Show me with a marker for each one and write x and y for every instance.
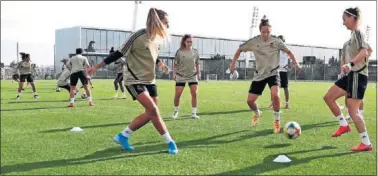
(142, 50)
(25, 69)
(118, 81)
(284, 67)
(266, 49)
(78, 64)
(186, 69)
(354, 83)
(64, 67)
(15, 74)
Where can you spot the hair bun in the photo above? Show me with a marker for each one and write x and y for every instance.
(264, 19)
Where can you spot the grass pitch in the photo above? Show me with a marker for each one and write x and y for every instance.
(35, 137)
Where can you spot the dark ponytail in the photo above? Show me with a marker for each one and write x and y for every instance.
(264, 22)
(355, 12)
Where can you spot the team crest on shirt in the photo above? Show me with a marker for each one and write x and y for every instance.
(272, 45)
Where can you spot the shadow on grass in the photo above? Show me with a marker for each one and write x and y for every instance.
(36, 108)
(224, 112)
(101, 125)
(58, 101)
(153, 148)
(276, 146)
(268, 165)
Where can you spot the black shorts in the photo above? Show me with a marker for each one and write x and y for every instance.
(76, 76)
(354, 84)
(119, 77)
(27, 77)
(257, 87)
(15, 77)
(182, 84)
(137, 89)
(284, 79)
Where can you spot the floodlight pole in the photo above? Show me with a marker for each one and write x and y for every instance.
(255, 16)
(135, 14)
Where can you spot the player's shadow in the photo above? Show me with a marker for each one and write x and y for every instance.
(268, 165)
(273, 146)
(98, 126)
(35, 108)
(59, 101)
(221, 112)
(141, 149)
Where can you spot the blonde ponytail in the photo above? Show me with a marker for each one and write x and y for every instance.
(156, 30)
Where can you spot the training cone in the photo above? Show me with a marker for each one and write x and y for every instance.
(282, 159)
(76, 129)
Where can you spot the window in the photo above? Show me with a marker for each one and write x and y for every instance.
(116, 39)
(110, 40)
(89, 46)
(83, 38)
(97, 40)
(103, 42)
(122, 37)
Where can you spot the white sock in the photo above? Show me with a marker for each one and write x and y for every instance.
(127, 132)
(123, 93)
(194, 110)
(342, 120)
(365, 138)
(176, 108)
(257, 112)
(361, 112)
(18, 94)
(277, 116)
(287, 102)
(72, 100)
(35, 93)
(167, 138)
(90, 99)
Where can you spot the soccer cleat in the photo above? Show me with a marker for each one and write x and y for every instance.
(362, 147)
(17, 97)
(172, 148)
(70, 105)
(276, 126)
(91, 103)
(123, 141)
(195, 116)
(57, 90)
(255, 119)
(175, 114)
(341, 130)
(36, 96)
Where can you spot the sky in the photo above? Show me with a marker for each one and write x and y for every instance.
(318, 23)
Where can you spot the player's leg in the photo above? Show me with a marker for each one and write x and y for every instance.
(274, 85)
(140, 93)
(255, 90)
(178, 92)
(84, 80)
(73, 81)
(30, 80)
(193, 91)
(361, 109)
(116, 86)
(347, 116)
(357, 84)
(120, 82)
(335, 92)
(20, 86)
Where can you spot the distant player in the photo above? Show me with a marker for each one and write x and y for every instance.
(15, 74)
(186, 69)
(25, 70)
(64, 67)
(118, 81)
(78, 65)
(354, 83)
(283, 71)
(142, 50)
(266, 49)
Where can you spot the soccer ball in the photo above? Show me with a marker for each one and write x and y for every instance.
(84, 96)
(292, 130)
(234, 75)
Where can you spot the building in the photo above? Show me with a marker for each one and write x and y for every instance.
(100, 40)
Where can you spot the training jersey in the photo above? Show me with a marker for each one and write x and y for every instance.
(357, 42)
(186, 63)
(284, 62)
(120, 65)
(78, 63)
(267, 54)
(24, 67)
(141, 55)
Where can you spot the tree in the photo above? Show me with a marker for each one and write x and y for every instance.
(333, 61)
(218, 57)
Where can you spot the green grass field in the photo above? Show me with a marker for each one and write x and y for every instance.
(35, 136)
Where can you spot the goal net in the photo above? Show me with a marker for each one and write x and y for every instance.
(211, 77)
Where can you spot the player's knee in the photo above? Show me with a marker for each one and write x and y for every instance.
(194, 94)
(251, 101)
(275, 97)
(153, 111)
(327, 98)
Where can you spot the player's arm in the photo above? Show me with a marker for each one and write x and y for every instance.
(291, 57)
(247, 46)
(175, 62)
(198, 66)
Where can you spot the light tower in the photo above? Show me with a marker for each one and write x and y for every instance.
(135, 15)
(255, 16)
(368, 30)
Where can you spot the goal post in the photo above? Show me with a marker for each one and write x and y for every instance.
(211, 77)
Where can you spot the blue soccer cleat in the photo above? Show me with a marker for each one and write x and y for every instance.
(172, 148)
(123, 141)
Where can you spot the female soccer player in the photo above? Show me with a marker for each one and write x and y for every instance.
(15, 75)
(118, 82)
(354, 83)
(186, 68)
(78, 64)
(266, 49)
(25, 69)
(142, 52)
